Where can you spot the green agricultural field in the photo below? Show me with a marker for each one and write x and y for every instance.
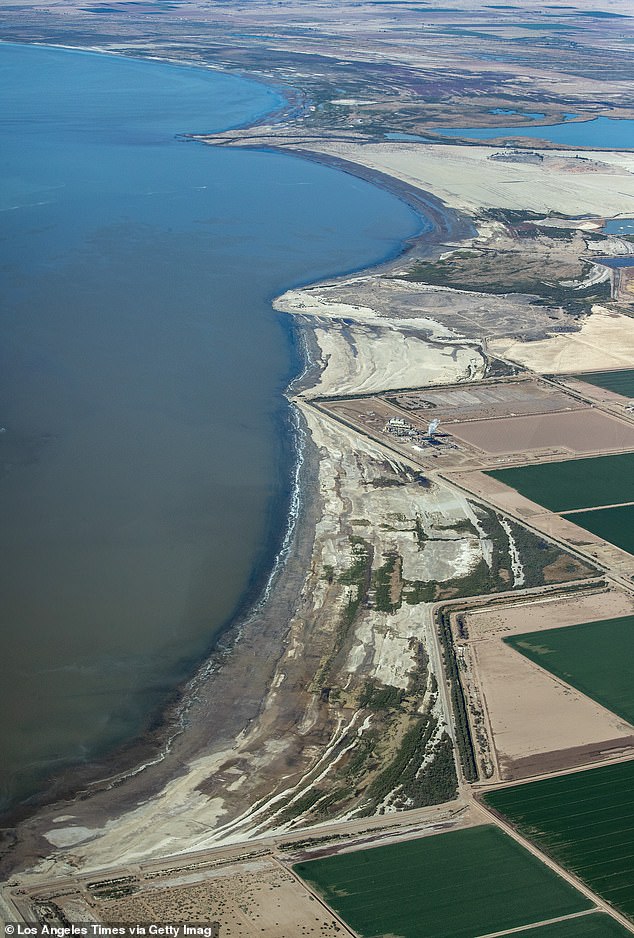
(585, 821)
(575, 484)
(593, 925)
(595, 657)
(621, 382)
(456, 885)
(615, 525)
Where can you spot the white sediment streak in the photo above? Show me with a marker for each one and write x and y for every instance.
(519, 576)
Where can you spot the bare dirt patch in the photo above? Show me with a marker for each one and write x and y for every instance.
(466, 178)
(532, 616)
(605, 340)
(580, 431)
(533, 717)
(386, 299)
(255, 898)
(557, 572)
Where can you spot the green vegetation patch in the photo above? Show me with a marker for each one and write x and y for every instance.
(456, 885)
(593, 925)
(417, 784)
(503, 272)
(382, 580)
(595, 657)
(464, 741)
(621, 382)
(420, 591)
(377, 696)
(615, 525)
(585, 821)
(358, 576)
(576, 483)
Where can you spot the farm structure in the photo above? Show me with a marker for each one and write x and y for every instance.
(485, 424)
(586, 926)
(578, 432)
(486, 400)
(615, 524)
(248, 897)
(575, 484)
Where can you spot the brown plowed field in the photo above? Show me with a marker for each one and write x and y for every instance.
(579, 432)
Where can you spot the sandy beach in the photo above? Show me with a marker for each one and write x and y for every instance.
(569, 182)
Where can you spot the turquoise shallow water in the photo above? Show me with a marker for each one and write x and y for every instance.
(146, 455)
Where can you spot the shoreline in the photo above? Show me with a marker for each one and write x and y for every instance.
(209, 712)
(206, 712)
(154, 741)
(226, 693)
(446, 224)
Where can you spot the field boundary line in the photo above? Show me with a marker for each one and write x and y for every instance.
(547, 921)
(598, 901)
(312, 892)
(484, 788)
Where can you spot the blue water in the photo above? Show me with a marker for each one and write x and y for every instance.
(534, 115)
(416, 138)
(619, 226)
(602, 132)
(617, 262)
(146, 454)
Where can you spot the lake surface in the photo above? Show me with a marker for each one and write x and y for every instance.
(145, 452)
(618, 262)
(534, 115)
(619, 226)
(602, 132)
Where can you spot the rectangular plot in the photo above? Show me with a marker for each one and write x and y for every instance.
(615, 525)
(620, 382)
(595, 657)
(456, 885)
(581, 431)
(487, 400)
(574, 484)
(604, 833)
